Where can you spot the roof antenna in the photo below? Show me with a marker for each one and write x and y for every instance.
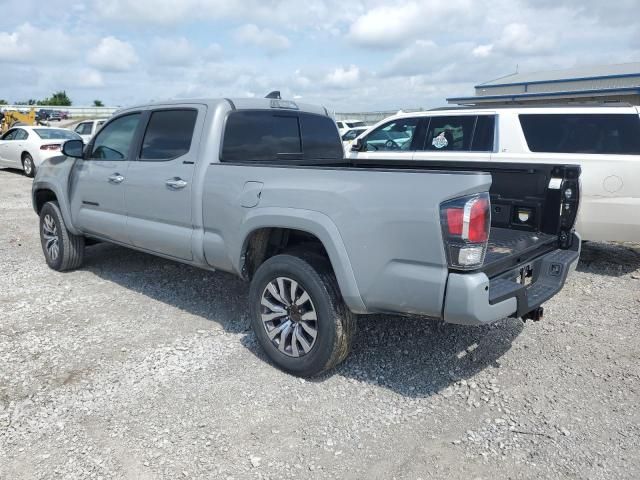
(275, 94)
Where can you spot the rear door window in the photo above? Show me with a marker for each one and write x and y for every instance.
(483, 134)
(582, 133)
(168, 135)
(261, 136)
(450, 133)
(320, 138)
(21, 134)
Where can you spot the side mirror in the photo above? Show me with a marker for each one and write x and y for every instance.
(73, 148)
(357, 145)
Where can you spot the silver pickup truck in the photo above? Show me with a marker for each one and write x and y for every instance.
(261, 188)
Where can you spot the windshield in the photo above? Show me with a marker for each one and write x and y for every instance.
(355, 124)
(56, 134)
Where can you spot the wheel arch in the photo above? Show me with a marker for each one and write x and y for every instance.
(269, 231)
(43, 192)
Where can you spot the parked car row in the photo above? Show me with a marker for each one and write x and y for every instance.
(48, 115)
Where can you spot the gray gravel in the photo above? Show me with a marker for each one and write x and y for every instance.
(136, 367)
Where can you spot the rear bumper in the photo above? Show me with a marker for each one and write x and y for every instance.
(474, 299)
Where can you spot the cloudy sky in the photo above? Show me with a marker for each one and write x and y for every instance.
(350, 55)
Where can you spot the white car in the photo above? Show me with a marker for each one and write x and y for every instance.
(350, 135)
(25, 148)
(603, 140)
(88, 129)
(344, 125)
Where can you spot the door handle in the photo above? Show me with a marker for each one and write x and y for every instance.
(176, 183)
(116, 178)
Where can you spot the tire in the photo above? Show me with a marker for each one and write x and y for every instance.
(53, 233)
(28, 166)
(334, 325)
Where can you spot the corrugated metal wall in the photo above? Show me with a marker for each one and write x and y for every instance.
(551, 86)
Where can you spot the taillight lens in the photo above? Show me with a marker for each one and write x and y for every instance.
(465, 228)
(478, 220)
(51, 147)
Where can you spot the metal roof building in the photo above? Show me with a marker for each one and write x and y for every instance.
(596, 84)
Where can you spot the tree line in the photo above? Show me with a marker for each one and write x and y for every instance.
(57, 99)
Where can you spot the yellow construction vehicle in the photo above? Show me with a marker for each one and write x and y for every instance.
(12, 118)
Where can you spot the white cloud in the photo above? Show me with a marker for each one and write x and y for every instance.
(482, 51)
(31, 44)
(321, 15)
(390, 25)
(11, 48)
(517, 38)
(174, 51)
(87, 78)
(113, 55)
(266, 39)
(213, 52)
(386, 26)
(343, 78)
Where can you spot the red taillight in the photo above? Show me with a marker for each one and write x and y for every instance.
(454, 220)
(465, 228)
(478, 225)
(55, 146)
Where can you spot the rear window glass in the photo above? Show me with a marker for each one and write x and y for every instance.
(168, 134)
(582, 133)
(266, 136)
(450, 133)
(56, 134)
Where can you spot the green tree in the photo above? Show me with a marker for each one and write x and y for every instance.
(98, 103)
(3, 102)
(57, 99)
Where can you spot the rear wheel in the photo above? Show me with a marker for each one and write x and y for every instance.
(28, 166)
(298, 314)
(62, 249)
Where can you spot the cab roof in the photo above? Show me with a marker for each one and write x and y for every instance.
(238, 104)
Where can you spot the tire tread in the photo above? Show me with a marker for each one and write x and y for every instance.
(72, 245)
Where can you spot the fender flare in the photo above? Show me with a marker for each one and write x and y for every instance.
(314, 223)
(62, 203)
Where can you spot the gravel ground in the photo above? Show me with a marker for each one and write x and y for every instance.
(136, 367)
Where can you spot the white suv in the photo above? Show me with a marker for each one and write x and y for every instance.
(603, 140)
(345, 125)
(88, 129)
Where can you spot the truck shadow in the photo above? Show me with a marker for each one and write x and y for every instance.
(411, 356)
(417, 357)
(612, 259)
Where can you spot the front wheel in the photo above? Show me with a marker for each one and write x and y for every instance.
(298, 314)
(62, 249)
